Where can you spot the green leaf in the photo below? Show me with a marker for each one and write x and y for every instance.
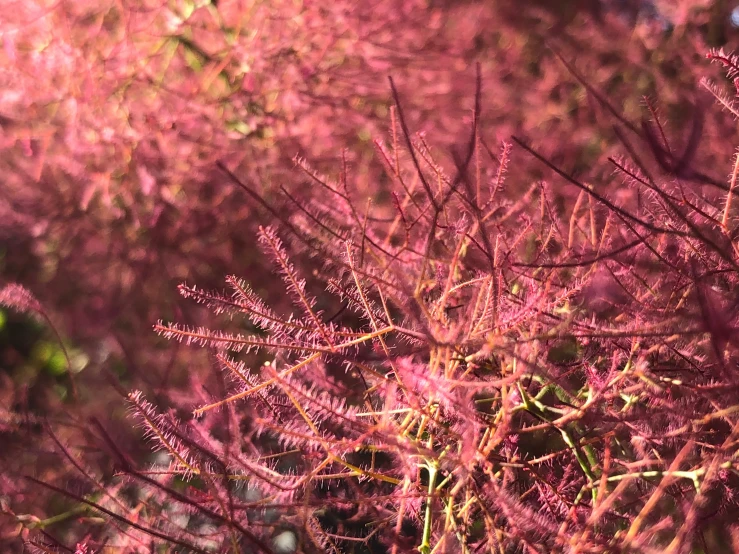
(239, 127)
(192, 59)
(188, 7)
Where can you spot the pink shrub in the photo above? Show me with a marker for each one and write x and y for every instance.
(522, 345)
(462, 386)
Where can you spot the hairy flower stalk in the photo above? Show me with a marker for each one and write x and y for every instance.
(488, 368)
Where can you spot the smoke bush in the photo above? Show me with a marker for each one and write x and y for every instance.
(486, 371)
(486, 350)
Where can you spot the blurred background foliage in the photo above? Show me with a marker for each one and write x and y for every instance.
(115, 116)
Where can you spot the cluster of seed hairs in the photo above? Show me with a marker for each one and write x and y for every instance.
(487, 370)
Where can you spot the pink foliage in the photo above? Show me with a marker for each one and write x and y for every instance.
(475, 315)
